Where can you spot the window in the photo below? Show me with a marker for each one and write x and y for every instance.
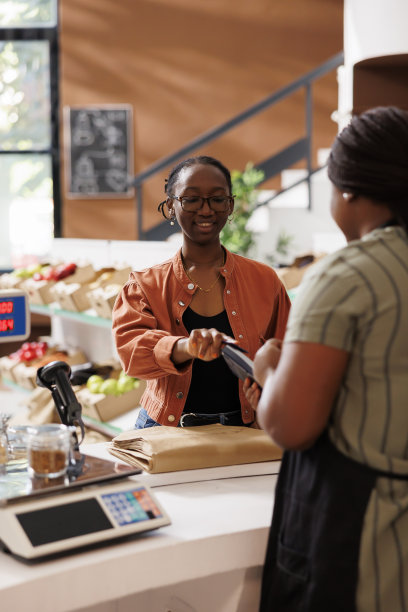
(29, 148)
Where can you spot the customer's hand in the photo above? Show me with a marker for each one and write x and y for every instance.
(202, 344)
(267, 359)
(252, 392)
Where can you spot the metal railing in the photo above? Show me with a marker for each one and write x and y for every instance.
(295, 152)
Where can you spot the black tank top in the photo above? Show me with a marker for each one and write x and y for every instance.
(214, 388)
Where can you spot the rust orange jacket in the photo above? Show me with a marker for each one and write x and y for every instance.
(148, 321)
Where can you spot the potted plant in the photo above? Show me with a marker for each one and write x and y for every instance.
(235, 236)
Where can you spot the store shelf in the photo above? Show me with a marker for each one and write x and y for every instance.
(87, 316)
(14, 386)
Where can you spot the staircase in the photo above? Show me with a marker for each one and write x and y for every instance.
(297, 151)
(312, 229)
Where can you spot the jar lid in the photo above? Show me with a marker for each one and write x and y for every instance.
(43, 434)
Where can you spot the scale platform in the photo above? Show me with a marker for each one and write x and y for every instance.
(40, 517)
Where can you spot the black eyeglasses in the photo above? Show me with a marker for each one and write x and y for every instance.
(194, 203)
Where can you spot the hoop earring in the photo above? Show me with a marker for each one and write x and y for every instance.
(231, 218)
(172, 220)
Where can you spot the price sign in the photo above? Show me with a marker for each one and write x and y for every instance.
(14, 315)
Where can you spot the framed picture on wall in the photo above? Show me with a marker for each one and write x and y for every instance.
(99, 151)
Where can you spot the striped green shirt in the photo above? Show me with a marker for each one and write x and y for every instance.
(357, 300)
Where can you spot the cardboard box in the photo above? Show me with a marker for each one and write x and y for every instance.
(103, 299)
(291, 276)
(39, 292)
(10, 281)
(71, 296)
(25, 375)
(7, 368)
(111, 276)
(83, 274)
(106, 407)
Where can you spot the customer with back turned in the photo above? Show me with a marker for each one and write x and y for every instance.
(170, 320)
(335, 397)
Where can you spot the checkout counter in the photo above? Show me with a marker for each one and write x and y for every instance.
(206, 554)
(209, 558)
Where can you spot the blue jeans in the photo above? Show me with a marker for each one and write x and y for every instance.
(143, 420)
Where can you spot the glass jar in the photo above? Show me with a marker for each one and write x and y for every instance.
(17, 443)
(4, 419)
(49, 450)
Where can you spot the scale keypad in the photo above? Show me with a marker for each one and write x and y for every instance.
(131, 506)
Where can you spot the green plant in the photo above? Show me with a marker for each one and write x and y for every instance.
(284, 242)
(235, 236)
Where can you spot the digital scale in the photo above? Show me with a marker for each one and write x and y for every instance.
(40, 517)
(94, 502)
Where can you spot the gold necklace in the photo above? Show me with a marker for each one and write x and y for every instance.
(195, 283)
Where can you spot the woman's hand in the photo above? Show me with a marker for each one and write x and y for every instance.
(202, 344)
(267, 359)
(252, 392)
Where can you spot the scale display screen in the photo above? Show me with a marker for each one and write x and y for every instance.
(64, 521)
(14, 316)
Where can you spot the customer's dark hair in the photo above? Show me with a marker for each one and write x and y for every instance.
(193, 161)
(370, 158)
(187, 163)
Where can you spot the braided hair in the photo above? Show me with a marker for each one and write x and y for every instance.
(187, 163)
(370, 158)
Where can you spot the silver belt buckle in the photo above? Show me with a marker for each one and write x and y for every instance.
(185, 415)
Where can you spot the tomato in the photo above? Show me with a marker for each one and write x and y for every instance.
(65, 270)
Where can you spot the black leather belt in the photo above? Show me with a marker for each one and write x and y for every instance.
(192, 419)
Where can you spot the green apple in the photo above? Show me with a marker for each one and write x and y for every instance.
(109, 386)
(125, 384)
(21, 273)
(94, 387)
(94, 382)
(34, 268)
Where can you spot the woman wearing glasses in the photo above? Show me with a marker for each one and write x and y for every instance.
(170, 320)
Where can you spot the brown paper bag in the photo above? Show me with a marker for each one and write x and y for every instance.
(170, 449)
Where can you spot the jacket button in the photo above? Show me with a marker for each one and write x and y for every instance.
(179, 395)
(171, 418)
(228, 291)
(178, 321)
(190, 286)
(240, 336)
(233, 312)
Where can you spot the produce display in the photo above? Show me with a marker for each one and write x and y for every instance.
(55, 273)
(45, 271)
(29, 351)
(112, 386)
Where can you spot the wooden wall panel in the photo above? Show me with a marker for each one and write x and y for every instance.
(188, 66)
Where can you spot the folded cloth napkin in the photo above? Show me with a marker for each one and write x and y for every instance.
(170, 449)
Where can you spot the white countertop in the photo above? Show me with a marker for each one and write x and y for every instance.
(217, 526)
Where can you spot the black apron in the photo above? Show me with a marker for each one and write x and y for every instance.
(313, 549)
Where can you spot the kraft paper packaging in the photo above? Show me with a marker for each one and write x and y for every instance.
(170, 449)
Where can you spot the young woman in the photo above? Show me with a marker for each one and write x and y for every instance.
(170, 320)
(336, 396)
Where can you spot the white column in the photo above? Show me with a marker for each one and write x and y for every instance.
(372, 28)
